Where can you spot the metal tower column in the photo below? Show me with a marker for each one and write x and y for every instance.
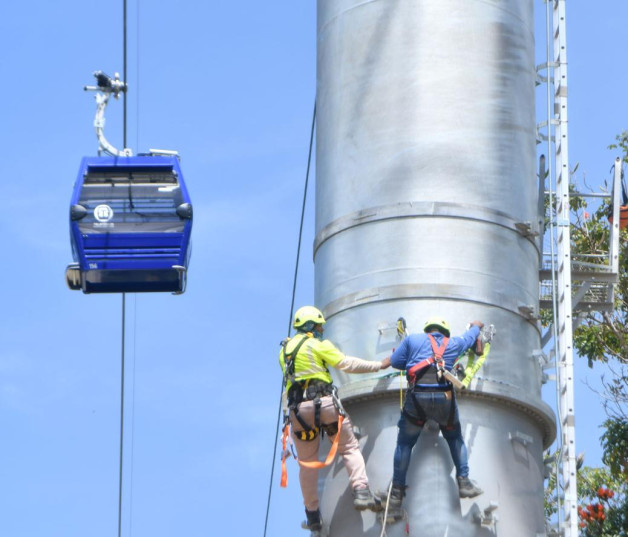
(426, 205)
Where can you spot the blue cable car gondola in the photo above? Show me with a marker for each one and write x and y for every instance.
(130, 225)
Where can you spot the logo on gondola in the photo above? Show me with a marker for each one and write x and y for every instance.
(103, 213)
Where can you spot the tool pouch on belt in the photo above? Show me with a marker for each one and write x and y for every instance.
(308, 390)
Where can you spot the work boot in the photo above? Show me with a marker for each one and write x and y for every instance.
(314, 521)
(365, 499)
(397, 493)
(394, 512)
(467, 488)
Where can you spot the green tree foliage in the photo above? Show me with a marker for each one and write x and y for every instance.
(603, 337)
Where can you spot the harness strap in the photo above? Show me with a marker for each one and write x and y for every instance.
(330, 456)
(437, 358)
(420, 413)
(317, 412)
(312, 393)
(417, 367)
(289, 358)
(438, 351)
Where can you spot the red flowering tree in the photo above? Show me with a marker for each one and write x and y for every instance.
(603, 507)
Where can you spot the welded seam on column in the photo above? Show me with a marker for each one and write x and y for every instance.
(424, 292)
(539, 414)
(418, 209)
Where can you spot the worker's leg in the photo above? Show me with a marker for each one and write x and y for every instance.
(457, 448)
(406, 439)
(348, 446)
(307, 450)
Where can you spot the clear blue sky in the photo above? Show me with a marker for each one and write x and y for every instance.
(231, 86)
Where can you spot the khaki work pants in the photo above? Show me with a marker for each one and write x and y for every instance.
(348, 449)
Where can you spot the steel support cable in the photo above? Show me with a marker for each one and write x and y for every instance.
(124, 72)
(130, 493)
(121, 416)
(124, 144)
(137, 144)
(294, 288)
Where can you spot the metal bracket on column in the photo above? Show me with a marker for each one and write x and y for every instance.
(542, 358)
(525, 228)
(488, 516)
(520, 437)
(544, 362)
(385, 327)
(529, 312)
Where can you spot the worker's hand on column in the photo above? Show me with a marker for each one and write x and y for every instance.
(479, 324)
(385, 363)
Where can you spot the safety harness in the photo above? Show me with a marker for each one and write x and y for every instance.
(307, 390)
(431, 370)
(437, 358)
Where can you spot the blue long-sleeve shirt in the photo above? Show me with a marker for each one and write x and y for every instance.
(417, 347)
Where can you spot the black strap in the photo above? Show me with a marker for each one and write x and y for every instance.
(305, 426)
(420, 417)
(308, 433)
(289, 358)
(317, 411)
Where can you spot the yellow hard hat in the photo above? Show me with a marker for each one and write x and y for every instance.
(437, 322)
(308, 313)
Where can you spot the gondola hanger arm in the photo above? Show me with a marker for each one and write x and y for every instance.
(106, 87)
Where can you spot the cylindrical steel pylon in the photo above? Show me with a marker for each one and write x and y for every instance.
(426, 204)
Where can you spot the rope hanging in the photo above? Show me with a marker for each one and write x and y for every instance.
(294, 287)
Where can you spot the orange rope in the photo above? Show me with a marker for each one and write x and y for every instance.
(284, 469)
(332, 452)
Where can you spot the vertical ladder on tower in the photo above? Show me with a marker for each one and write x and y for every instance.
(560, 243)
(564, 333)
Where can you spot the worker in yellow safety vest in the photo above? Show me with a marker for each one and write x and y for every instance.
(313, 407)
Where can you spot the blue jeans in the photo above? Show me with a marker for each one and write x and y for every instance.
(435, 406)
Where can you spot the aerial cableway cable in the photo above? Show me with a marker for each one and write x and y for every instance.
(124, 144)
(294, 287)
(130, 224)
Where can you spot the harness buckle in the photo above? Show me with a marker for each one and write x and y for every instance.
(337, 403)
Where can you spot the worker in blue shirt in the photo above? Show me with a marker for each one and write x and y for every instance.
(426, 357)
